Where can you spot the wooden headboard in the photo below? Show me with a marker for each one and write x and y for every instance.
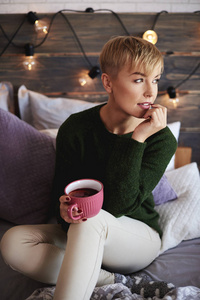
(183, 156)
(60, 62)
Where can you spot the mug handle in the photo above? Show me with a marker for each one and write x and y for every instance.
(69, 212)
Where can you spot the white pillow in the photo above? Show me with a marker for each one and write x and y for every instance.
(43, 112)
(175, 129)
(6, 96)
(180, 219)
(52, 133)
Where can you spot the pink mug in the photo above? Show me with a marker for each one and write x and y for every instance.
(85, 194)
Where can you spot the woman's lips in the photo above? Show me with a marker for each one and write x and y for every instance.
(145, 105)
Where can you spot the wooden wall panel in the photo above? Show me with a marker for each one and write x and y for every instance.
(68, 70)
(191, 139)
(176, 32)
(187, 112)
(60, 61)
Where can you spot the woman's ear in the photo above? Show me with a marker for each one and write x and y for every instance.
(106, 82)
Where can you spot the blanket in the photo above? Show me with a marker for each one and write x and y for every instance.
(134, 287)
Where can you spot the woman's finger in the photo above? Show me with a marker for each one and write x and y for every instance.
(64, 199)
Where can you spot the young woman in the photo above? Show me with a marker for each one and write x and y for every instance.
(125, 144)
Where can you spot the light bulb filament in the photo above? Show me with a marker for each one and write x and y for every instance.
(29, 63)
(82, 81)
(41, 26)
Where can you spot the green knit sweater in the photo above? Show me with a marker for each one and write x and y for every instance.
(129, 170)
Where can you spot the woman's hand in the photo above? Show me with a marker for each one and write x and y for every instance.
(155, 120)
(64, 204)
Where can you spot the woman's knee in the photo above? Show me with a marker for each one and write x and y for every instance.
(15, 242)
(10, 244)
(96, 224)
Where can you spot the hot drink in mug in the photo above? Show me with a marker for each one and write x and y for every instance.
(85, 194)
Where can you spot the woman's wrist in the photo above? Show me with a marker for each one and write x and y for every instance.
(138, 137)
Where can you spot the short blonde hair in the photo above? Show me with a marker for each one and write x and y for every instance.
(122, 50)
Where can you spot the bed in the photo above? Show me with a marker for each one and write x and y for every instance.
(34, 104)
(27, 159)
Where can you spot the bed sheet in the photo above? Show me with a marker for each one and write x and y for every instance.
(179, 265)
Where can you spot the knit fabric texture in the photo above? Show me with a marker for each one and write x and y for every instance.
(129, 170)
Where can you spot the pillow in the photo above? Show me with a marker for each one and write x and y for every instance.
(47, 113)
(27, 163)
(6, 96)
(163, 192)
(50, 132)
(175, 129)
(179, 219)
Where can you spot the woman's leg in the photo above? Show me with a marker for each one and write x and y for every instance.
(131, 245)
(36, 251)
(122, 245)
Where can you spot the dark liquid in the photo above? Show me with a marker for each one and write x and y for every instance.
(84, 192)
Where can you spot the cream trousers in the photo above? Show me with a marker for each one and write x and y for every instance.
(73, 261)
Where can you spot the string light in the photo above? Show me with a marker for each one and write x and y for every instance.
(94, 70)
(172, 95)
(171, 91)
(83, 80)
(88, 76)
(150, 35)
(40, 25)
(29, 62)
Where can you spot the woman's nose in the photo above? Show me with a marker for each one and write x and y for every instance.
(149, 91)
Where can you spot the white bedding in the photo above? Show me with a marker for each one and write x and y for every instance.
(121, 290)
(179, 219)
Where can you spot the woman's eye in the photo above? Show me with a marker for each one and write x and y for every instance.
(138, 80)
(156, 80)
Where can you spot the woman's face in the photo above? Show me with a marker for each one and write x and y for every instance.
(133, 91)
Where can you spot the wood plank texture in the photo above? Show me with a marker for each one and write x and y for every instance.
(60, 62)
(183, 156)
(176, 32)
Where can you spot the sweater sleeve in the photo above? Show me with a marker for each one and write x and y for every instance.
(134, 169)
(66, 169)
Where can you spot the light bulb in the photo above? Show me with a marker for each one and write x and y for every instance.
(150, 36)
(82, 81)
(174, 102)
(172, 96)
(41, 26)
(87, 77)
(94, 72)
(29, 63)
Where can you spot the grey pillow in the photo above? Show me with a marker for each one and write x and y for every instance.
(163, 192)
(27, 161)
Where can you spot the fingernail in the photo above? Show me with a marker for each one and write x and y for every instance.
(80, 211)
(84, 219)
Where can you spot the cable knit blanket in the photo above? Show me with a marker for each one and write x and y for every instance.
(140, 287)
